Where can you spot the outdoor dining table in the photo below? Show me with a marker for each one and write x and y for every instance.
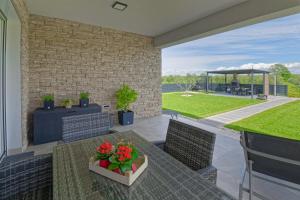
(165, 178)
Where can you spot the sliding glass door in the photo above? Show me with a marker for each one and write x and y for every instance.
(2, 85)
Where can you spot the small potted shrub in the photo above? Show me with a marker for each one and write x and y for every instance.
(67, 103)
(125, 96)
(84, 99)
(48, 101)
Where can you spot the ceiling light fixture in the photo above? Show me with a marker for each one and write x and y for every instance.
(119, 6)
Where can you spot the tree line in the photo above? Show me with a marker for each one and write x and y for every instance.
(282, 73)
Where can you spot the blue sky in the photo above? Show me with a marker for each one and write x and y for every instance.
(258, 46)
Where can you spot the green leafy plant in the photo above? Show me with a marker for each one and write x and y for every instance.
(119, 159)
(125, 96)
(48, 98)
(123, 158)
(84, 95)
(68, 103)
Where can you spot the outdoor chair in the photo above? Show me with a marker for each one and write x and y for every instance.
(172, 113)
(85, 126)
(25, 176)
(270, 158)
(235, 90)
(244, 91)
(262, 97)
(191, 146)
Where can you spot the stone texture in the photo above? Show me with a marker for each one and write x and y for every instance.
(266, 84)
(23, 14)
(65, 58)
(68, 57)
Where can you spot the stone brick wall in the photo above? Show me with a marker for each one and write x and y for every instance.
(23, 14)
(68, 57)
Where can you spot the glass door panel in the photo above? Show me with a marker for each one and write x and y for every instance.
(2, 86)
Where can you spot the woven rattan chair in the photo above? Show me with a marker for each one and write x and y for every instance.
(192, 146)
(273, 159)
(80, 127)
(25, 176)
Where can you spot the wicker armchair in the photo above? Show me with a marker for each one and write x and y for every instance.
(191, 146)
(80, 127)
(25, 176)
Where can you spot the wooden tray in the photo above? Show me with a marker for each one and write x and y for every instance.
(128, 178)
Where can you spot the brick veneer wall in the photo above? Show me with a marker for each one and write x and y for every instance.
(23, 14)
(68, 57)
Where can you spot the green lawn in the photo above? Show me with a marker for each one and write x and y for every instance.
(282, 121)
(201, 105)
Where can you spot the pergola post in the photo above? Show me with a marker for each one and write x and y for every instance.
(252, 86)
(225, 83)
(207, 82)
(275, 85)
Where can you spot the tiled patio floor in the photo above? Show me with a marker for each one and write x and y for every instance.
(228, 155)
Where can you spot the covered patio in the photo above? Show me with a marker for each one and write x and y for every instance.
(227, 157)
(235, 87)
(63, 64)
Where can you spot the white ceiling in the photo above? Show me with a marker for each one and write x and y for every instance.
(146, 17)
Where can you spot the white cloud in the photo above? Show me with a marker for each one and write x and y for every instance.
(195, 64)
(260, 46)
(293, 67)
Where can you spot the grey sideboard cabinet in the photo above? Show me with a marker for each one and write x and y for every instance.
(47, 124)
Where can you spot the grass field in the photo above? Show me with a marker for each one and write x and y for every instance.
(201, 105)
(282, 121)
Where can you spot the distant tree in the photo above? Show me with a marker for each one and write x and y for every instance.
(187, 82)
(282, 71)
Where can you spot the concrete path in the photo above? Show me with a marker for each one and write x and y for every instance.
(236, 115)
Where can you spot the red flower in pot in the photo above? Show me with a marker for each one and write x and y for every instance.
(123, 158)
(104, 151)
(124, 153)
(118, 160)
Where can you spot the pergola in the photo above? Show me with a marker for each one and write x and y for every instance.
(244, 71)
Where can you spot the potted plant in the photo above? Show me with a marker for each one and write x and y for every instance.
(67, 103)
(84, 99)
(125, 96)
(121, 162)
(48, 102)
(104, 151)
(119, 159)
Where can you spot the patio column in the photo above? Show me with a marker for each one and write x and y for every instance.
(275, 85)
(207, 82)
(252, 86)
(225, 83)
(266, 84)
